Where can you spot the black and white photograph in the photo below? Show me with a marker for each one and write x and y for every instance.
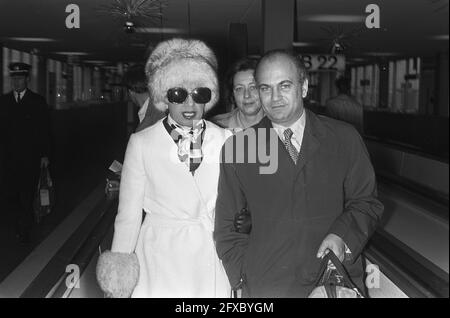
(222, 156)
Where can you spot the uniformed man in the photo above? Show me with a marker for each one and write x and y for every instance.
(26, 146)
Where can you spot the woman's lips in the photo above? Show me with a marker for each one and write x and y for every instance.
(189, 115)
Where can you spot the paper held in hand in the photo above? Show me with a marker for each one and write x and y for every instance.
(116, 167)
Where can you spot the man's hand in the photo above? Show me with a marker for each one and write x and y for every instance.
(243, 221)
(334, 243)
(44, 162)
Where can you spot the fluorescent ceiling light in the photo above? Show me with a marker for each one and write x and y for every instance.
(32, 39)
(332, 18)
(440, 37)
(160, 30)
(382, 53)
(301, 44)
(72, 53)
(356, 59)
(95, 61)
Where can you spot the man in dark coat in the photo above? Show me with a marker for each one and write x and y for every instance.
(25, 144)
(315, 191)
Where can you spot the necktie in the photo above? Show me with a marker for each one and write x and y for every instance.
(18, 97)
(289, 146)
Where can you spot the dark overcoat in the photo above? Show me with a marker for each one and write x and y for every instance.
(332, 189)
(25, 136)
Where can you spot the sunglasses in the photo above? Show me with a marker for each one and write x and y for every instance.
(200, 95)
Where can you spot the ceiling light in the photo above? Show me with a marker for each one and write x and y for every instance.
(356, 59)
(301, 44)
(95, 61)
(160, 30)
(129, 27)
(332, 18)
(32, 39)
(72, 53)
(440, 37)
(382, 53)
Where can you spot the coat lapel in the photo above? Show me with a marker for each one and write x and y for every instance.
(311, 140)
(24, 97)
(11, 98)
(284, 160)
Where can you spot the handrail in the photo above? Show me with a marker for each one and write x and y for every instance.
(406, 148)
(416, 276)
(418, 189)
(86, 252)
(72, 250)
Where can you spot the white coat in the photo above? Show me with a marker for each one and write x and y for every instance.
(174, 244)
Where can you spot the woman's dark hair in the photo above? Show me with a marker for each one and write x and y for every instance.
(135, 79)
(241, 65)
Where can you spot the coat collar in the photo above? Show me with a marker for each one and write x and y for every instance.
(314, 132)
(314, 126)
(25, 95)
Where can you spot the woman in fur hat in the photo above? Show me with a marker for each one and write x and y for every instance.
(171, 171)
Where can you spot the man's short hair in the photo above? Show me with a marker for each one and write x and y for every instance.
(301, 69)
(241, 65)
(135, 79)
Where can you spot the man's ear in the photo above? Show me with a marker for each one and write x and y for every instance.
(305, 88)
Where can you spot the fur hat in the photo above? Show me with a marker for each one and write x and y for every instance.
(117, 273)
(173, 62)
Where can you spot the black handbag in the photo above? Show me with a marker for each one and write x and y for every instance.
(333, 280)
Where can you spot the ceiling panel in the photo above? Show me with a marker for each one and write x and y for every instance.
(407, 26)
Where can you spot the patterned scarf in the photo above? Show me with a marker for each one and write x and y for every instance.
(188, 140)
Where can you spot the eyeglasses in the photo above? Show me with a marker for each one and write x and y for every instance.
(200, 95)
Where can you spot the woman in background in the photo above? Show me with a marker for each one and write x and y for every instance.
(243, 96)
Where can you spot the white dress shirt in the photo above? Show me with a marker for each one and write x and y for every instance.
(297, 128)
(16, 95)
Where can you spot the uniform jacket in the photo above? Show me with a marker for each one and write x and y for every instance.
(332, 189)
(26, 128)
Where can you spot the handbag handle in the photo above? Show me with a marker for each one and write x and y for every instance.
(330, 256)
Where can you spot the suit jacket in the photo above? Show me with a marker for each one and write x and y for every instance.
(26, 130)
(332, 189)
